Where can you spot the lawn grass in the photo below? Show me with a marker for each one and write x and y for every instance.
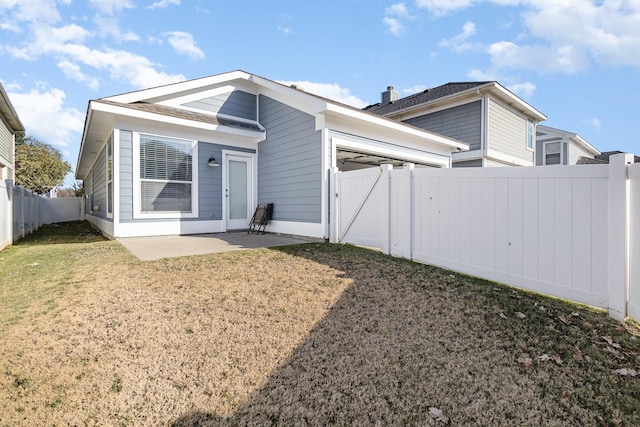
(310, 334)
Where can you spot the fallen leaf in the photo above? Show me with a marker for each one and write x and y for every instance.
(525, 360)
(608, 339)
(577, 355)
(565, 371)
(626, 372)
(575, 314)
(617, 422)
(502, 315)
(557, 359)
(565, 394)
(601, 421)
(438, 415)
(564, 319)
(544, 358)
(520, 315)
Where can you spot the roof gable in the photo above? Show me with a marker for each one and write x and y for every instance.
(8, 113)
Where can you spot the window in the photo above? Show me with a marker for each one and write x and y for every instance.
(166, 179)
(530, 135)
(552, 153)
(109, 169)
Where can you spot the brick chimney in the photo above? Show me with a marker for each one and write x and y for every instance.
(390, 95)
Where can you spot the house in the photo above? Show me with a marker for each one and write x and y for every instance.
(199, 155)
(9, 125)
(499, 127)
(602, 158)
(559, 147)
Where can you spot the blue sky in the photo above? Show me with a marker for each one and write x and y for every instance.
(577, 61)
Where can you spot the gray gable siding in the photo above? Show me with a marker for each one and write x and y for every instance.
(237, 103)
(507, 132)
(290, 163)
(462, 122)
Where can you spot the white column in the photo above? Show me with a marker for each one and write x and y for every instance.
(618, 236)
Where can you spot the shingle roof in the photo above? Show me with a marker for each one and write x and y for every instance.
(423, 97)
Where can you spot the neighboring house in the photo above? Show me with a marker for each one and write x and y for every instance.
(499, 127)
(559, 147)
(602, 158)
(198, 156)
(9, 125)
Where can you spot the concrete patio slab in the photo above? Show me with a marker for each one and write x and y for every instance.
(158, 247)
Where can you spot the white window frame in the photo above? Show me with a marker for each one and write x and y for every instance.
(531, 135)
(137, 187)
(560, 153)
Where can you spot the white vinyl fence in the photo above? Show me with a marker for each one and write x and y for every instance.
(23, 212)
(568, 231)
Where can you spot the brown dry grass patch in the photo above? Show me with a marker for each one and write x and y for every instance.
(311, 334)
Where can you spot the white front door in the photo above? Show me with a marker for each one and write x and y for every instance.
(238, 190)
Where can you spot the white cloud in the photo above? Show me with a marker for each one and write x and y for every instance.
(442, 7)
(523, 90)
(459, 43)
(72, 71)
(42, 11)
(395, 17)
(563, 36)
(107, 19)
(163, 3)
(285, 30)
(183, 43)
(332, 91)
(565, 59)
(44, 115)
(594, 123)
(414, 89)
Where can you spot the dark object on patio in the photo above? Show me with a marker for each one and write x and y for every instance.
(260, 218)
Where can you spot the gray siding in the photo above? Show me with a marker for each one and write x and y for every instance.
(507, 132)
(477, 163)
(236, 103)
(210, 179)
(462, 122)
(290, 163)
(126, 175)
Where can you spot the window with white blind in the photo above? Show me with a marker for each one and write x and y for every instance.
(552, 155)
(166, 179)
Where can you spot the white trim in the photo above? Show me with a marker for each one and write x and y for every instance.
(116, 180)
(253, 181)
(105, 226)
(296, 228)
(168, 228)
(544, 152)
(156, 92)
(390, 150)
(506, 158)
(137, 202)
(466, 155)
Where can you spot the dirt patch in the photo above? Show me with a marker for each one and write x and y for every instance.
(313, 334)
